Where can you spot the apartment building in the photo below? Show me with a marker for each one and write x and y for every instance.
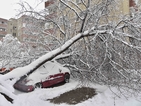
(52, 5)
(29, 29)
(25, 28)
(12, 27)
(3, 27)
(57, 10)
(8, 27)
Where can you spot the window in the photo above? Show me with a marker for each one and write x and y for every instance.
(33, 40)
(14, 27)
(24, 25)
(52, 9)
(46, 25)
(66, 21)
(62, 5)
(25, 39)
(14, 34)
(3, 22)
(34, 46)
(2, 29)
(26, 19)
(61, 20)
(2, 35)
(78, 1)
(81, 14)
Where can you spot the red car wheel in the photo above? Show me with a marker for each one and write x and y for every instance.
(67, 78)
(38, 85)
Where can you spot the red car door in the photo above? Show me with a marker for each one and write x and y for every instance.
(45, 84)
(54, 79)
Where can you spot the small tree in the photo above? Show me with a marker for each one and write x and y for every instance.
(15, 54)
(10, 49)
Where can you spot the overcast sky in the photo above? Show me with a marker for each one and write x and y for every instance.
(8, 8)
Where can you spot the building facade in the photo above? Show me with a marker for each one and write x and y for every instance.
(124, 6)
(3, 27)
(12, 27)
(30, 30)
(27, 29)
(58, 11)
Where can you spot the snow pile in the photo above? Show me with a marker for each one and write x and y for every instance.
(39, 97)
(132, 102)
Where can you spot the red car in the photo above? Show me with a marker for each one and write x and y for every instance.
(49, 74)
(4, 70)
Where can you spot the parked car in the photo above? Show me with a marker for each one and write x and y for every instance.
(47, 75)
(5, 70)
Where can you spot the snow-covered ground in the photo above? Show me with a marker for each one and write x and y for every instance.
(39, 97)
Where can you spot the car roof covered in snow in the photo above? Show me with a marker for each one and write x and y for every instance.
(49, 68)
